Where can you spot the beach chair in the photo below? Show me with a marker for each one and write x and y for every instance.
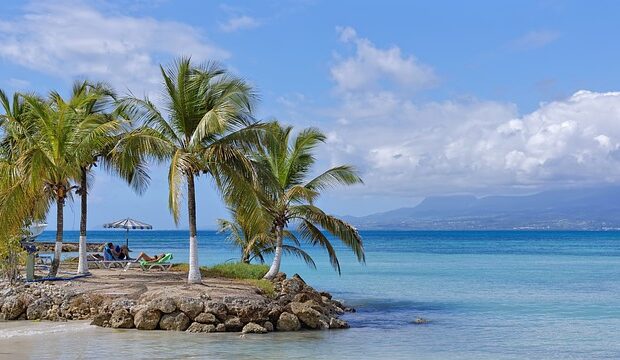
(164, 263)
(108, 263)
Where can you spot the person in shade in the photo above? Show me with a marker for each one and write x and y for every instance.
(111, 252)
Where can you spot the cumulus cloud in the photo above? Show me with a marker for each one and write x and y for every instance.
(74, 39)
(370, 66)
(241, 22)
(477, 146)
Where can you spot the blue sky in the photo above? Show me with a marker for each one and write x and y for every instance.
(425, 98)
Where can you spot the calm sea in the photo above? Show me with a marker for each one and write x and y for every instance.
(487, 295)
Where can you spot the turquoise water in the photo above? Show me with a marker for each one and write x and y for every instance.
(488, 295)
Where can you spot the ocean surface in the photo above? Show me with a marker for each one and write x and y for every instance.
(487, 295)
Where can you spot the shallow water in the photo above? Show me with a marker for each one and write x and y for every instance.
(488, 295)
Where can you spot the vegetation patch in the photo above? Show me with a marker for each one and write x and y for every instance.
(238, 271)
(264, 285)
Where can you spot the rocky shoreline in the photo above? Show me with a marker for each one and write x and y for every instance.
(295, 306)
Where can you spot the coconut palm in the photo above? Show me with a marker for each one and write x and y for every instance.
(287, 196)
(204, 120)
(111, 143)
(254, 237)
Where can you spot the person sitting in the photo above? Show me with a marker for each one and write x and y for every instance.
(111, 252)
(145, 257)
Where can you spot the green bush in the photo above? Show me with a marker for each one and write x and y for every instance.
(238, 270)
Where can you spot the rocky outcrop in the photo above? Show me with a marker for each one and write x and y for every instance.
(295, 306)
(253, 328)
(147, 319)
(176, 320)
(288, 322)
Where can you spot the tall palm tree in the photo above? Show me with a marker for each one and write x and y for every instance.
(111, 143)
(206, 118)
(288, 197)
(52, 156)
(254, 237)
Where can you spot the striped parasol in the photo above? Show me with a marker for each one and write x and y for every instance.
(127, 224)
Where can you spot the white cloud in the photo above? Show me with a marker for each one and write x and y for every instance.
(72, 39)
(240, 22)
(534, 40)
(477, 146)
(371, 65)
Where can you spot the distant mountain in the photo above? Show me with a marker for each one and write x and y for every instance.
(577, 209)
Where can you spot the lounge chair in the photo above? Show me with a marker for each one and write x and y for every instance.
(108, 262)
(164, 263)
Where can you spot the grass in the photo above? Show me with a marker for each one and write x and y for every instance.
(238, 271)
(251, 274)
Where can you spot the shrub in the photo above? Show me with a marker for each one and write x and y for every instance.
(238, 270)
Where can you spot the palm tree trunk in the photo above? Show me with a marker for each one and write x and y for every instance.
(277, 258)
(60, 204)
(194, 270)
(83, 263)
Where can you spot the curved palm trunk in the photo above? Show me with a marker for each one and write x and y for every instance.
(277, 258)
(60, 203)
(194, 270)
(83, 263)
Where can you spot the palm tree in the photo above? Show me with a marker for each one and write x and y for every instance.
(52, 155)
(254, 237)
(121, 150)
(206, 120)
(287, 197)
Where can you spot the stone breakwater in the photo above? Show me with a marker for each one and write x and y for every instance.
(295, 306)
(68, 247)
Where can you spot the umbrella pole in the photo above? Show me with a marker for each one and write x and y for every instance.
(127, 238)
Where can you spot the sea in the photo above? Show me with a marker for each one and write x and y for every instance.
(485, 294)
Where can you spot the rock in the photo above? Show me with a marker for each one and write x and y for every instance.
(218, 309)
(166, 305)
(190, 306)
(253, 328)
(233, 324)
(268, 325)
(307, 296)
(147, 319)
(420, 321)
(326, 294)
(101, 319)
(137, 308)
(335, 323)
(288, 322)
(220, 327)
(253, 312)
(174, 321)
(121, 319)
(121, 304)
(307, 315)
(39, 308)
(15, 306)
(294, 285)
(206, 318)
(274, 313)
(200, 328)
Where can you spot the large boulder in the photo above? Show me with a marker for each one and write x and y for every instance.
(220, 310)
(268, 325)
(15, 306)
(39, 308)
(335, 323)
(253, 328)
(101, 319)
(308, 315)
(233, 324)
(174, 321)
(147, 319)
(288, 322)
(166, 305)
(121, 319)
(206, 318)
(200, 328)
(190, 306)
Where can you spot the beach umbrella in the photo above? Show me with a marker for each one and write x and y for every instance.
(127, 224)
